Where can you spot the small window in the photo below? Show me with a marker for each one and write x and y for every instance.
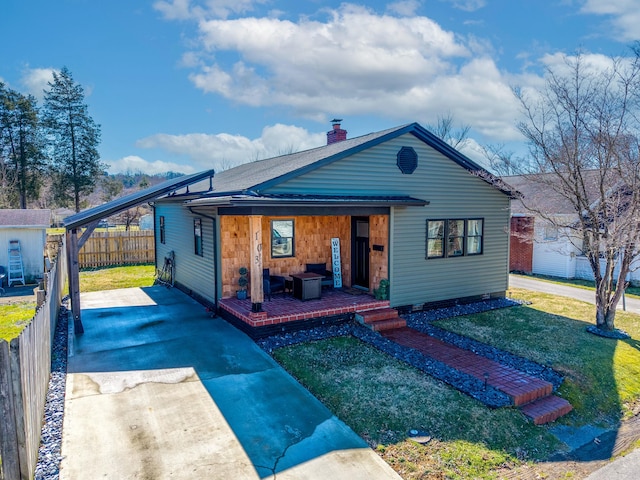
(551, 233)
(282, 238)
(197, 236)
(455, 238)
(162, 237)
(435, 238)
(474, 236)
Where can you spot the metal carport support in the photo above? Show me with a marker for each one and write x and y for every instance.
(89, 219)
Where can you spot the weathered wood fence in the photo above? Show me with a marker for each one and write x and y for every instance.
(25, 367)
(103, 249)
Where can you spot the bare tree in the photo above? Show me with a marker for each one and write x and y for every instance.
(504, 162)
(447, 131)
(583, 129)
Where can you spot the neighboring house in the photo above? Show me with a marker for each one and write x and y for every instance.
(403, 204)
(29, 227)
(537, 245)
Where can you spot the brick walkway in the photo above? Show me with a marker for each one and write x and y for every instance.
(522, 388)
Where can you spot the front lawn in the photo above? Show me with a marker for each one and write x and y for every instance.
(116, 277)
(14, 317)
(382, 398)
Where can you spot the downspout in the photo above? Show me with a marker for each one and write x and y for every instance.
(155, 247)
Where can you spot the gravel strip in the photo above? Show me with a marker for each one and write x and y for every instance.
(421, 321)
(49, 457)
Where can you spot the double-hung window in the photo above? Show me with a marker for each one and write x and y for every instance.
(197, 236)
(282, 238)
(162, 232)
(435, 238)
(475, 232)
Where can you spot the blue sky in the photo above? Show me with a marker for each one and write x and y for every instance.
(187, 85)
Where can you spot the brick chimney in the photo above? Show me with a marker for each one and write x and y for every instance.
(337, 134)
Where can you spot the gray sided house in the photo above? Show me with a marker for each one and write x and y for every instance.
(402, 205)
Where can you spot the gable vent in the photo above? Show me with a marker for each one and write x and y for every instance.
(407, 160)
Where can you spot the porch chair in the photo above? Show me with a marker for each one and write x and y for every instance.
(321, 269)
(271, 283)
(2, 275)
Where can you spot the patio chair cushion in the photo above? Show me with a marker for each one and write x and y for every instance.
(271, 283)
(321, 269)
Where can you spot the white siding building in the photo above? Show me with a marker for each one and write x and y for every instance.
(29, 227)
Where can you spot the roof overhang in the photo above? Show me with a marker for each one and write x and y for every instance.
(306, 201)
(105, 210)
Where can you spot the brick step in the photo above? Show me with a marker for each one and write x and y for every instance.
(391, 324)
(546, 410)
(529, 391)
(370, 316)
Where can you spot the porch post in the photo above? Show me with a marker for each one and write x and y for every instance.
(74, 279)
(257, 292)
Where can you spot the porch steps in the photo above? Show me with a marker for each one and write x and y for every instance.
(381, 319)
(546, 409)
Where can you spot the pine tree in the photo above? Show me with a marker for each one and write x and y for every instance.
(21, 147)
(74, 138)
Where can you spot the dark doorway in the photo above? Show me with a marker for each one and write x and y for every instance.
(360, 252)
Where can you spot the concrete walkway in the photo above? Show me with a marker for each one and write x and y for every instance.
(625, 468)
(158, 389)
(519, 281)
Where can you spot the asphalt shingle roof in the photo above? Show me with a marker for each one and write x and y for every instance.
(254, 175)
(538, 192)
(25, 218)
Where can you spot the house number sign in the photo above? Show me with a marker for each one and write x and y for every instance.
(335, 263)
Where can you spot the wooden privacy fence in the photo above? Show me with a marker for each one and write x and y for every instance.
(103, 249)
(25, 367)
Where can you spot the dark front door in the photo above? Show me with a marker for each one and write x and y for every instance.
(360, 251)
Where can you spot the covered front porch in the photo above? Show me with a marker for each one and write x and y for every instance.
(284, 308)
(286, 245)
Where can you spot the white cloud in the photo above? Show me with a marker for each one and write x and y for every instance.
(36, 81)
(188, 9)
(355, 61)
(624, 16)
(468, 5)
(222, 151)
(405, 8)
(133, 163)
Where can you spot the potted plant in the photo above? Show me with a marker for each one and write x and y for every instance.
(243, 281)
(382, 293)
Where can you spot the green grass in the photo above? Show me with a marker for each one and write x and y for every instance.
(116, 277)
(382, 398)
(575, 282)
(14, 317)
(602, 376)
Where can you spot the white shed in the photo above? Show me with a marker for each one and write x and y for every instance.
(29, 227)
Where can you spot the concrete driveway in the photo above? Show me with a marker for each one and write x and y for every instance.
(156, 388)
(519, 281)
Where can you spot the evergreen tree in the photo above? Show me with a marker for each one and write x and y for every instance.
(21, 146)
(74, 139)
